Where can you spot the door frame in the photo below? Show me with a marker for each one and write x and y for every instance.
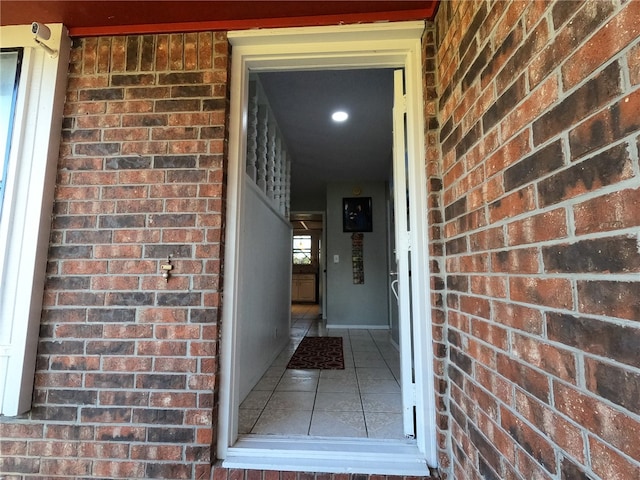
(382, 45)
(322, 266)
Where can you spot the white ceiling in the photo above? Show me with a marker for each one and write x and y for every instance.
(358, 150)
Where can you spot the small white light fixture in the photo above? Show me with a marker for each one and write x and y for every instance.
(339, 116)
(42, 32)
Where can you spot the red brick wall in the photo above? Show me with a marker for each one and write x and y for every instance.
(126, 360)
(436, 244)
(540, 130)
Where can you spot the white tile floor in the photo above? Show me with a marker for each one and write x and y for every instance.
(363, 400)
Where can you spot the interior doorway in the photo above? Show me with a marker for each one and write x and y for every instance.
(308, 258)
(379, 46)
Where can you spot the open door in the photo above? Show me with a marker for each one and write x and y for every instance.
(401, 283)
(382, 45)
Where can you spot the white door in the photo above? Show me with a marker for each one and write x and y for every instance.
(402, 274)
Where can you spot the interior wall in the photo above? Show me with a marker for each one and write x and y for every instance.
(349, 304)
(264, 274)
(307, 204)
(539, 135)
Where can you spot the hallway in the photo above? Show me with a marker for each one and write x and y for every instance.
(363, 400)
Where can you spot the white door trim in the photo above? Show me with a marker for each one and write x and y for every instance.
(383, 45)
(402, 256)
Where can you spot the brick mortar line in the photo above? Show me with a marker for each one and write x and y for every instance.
(626, 70)
(581, 370)
(553, 34)
(543, 309)
(498, 423)
(545, 340)
(562, 95)
(568, 163)
(557, 448)
(634, 152)
(624, 92)
(574, 311)
(540, 339)
(631, 184)
(552, 406)
(585, 277)
(569, 239)
(621, 55)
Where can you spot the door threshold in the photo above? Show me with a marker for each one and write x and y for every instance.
(327, 455)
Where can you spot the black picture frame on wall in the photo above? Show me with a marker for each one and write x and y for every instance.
(357, 214)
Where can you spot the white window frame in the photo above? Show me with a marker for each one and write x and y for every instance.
(382, 45)
(28, 206)
(10, 104)
(303, 250)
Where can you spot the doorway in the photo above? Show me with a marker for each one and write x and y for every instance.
(333, 165)
(360, 46)
(307, 257)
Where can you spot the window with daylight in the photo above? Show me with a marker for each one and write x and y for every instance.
(10, 63)
(302, 250)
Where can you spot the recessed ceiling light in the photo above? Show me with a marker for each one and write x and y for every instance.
(339, 116)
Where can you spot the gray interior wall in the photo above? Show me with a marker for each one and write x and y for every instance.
(352, 305)
(265, 287)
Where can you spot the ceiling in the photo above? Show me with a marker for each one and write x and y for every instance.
(356, 151)
(303, 222)
(114, 17)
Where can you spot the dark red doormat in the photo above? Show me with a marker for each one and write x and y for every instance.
(320, 353)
